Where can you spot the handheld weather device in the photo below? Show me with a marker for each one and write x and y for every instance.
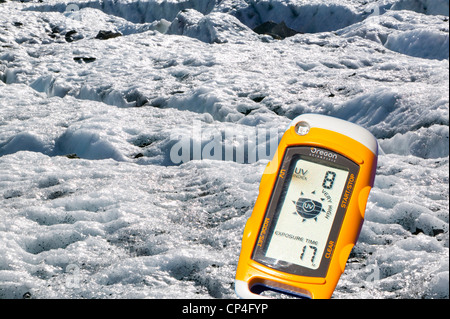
(309, 210)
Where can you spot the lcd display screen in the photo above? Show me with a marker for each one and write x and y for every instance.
(306, 211)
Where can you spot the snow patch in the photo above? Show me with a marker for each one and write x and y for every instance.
(430, 142)
(405, 32)
(426, 44)
(306, 18)
(433, 7)
(135, 11)
(213, 28)
(23, 141)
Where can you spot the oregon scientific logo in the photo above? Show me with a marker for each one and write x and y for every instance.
(322, 154)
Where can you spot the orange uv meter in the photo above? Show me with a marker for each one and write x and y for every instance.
(309, 211)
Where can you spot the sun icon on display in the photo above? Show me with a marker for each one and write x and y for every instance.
(308, 208)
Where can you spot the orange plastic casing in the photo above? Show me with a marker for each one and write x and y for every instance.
(252, 272)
